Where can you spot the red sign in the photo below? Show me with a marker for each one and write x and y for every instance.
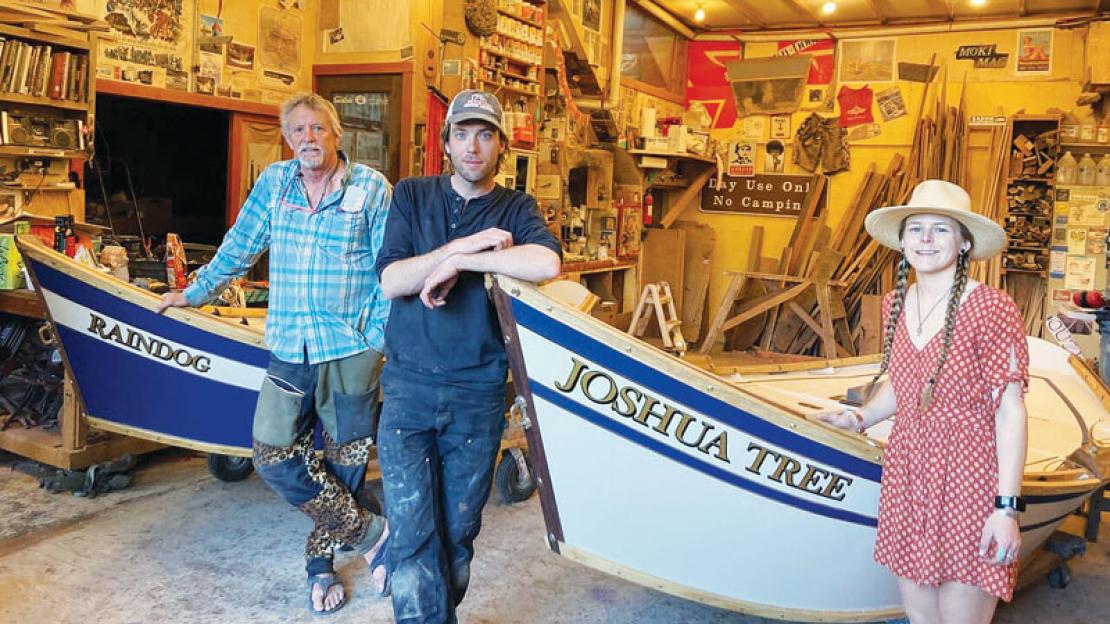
(821, 51)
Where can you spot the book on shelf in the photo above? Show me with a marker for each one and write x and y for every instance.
(43, 71)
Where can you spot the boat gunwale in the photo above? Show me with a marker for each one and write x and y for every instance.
(31, 247)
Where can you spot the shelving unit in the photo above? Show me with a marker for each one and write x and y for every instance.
(1030, 193)
(511, 66)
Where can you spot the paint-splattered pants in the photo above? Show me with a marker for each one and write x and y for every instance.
(341, 395)
(437, 445)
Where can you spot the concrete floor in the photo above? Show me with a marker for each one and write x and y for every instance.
(179, 546)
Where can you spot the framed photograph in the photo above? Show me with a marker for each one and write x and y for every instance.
(240, 55)
(867, 60)
(591, 15)
(767, 86)
(780, 127)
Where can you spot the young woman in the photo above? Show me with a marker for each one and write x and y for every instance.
(958, 362)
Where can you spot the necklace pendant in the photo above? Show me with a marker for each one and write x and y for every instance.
(918, 331)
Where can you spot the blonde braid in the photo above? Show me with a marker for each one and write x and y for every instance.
(891, 323)
(949, 328)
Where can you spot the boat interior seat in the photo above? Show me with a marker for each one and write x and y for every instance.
(571, 293)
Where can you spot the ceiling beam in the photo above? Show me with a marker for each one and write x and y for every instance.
(1103, 6)
(801, 6)
(951, 10)
(877, 10)
(1021, 8)
(741, 7)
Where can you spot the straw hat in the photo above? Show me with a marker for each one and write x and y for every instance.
(941, 198)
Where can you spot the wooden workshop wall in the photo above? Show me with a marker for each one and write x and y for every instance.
(989, 91)
(241, 20)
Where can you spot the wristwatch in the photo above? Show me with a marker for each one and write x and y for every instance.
(1015, 504)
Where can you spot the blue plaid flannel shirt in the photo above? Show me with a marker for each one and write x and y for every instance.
(324, 294)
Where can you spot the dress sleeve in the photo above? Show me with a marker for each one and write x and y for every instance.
(1002, 334)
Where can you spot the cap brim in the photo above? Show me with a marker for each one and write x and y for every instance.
(490, 119)
(989, 238)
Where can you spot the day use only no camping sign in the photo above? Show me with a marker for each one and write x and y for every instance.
(764, 194)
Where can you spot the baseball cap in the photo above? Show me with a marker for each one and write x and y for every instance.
(473, 104)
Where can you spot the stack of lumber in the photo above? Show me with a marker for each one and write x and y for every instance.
(35, 21)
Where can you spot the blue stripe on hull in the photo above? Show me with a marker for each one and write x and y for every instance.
(142, 318)
(126, 388)
(659, 383)
(649, 442)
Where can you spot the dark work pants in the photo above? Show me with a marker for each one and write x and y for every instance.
(437, 444)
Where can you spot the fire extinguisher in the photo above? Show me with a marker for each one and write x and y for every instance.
(647, 208)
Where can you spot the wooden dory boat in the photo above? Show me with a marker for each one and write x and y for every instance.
(184, 377)
(722, 490)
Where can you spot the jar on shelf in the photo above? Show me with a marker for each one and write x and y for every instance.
(1102, 171)
(1088, 129)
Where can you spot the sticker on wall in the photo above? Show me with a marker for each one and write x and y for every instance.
(780, 127)
(1034, 51)
(855, 106)
(891, 104)
(773, 157)
(822, 53)
(1077, 241)
(864, 132)
(1061, 295)
(867, 60)
(741, 159)
(753, 127)
(1080, 273)
(817, 98)
(983, 56)
(1057, 263)
(211, 37)
(1096, 241)
(707, 83)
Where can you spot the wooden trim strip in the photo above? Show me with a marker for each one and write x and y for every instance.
(144, 92)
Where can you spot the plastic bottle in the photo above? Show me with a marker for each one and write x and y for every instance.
(1088, 130)
(1102, 171)
(1086, 170)
(1067, 169)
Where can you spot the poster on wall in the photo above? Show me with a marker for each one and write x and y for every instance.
(706, 83)
(343, 30)
(150, 33)
(741, 159)
(780, 127)
(821, 53)
(773, 157)
(211, 28)
(240, 55)
(891, 104)
(764, 194)
(867, 60)
(279, 39)
(1034, 51)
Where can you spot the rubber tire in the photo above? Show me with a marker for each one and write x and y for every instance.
(1059, 577)
(510, 486)
(229, 468)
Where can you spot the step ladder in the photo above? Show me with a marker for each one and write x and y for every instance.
(657, 299)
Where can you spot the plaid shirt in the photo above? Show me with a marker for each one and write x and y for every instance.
(324, 294)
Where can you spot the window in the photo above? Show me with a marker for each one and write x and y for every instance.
(653, 54)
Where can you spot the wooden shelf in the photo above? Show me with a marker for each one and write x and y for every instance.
(23, 303)
(511, 57)
(1084, 144)
(506, 35)
(1029, 179)
(520, 77)
(34, 35)
(519, 18)
(504, 87)
(687, 155)
(49, 152)
(31, 100)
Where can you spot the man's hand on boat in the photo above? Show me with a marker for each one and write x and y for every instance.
(172, 300)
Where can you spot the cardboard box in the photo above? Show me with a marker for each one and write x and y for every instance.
(12, 276)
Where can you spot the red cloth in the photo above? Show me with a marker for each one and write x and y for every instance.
(940, 471)
(855, 106)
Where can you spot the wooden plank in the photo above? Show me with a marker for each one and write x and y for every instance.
(698, 262)
(870, 324)
(766, 303)
(808, 222)
(662, 259)
(690, 196)
(735, 287)
(744, 336)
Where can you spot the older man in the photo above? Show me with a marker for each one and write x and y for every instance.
(444, 378)
(322, 219)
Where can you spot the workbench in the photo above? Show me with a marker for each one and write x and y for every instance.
(74, 445)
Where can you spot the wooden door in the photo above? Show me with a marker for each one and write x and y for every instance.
(371, 107)
(255, 143)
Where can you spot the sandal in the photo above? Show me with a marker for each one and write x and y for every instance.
(377, 561)
(325, 581)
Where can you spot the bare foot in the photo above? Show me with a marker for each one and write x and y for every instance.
(378, 575)
(322, 602)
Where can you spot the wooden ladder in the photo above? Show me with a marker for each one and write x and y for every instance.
(657, 298)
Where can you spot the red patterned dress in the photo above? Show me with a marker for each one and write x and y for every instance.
(940, 472)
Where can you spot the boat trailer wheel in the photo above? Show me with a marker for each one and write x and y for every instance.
(229, 468)
(1059, 577)
(514, 478)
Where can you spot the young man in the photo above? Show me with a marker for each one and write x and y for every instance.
(322, 218)
(444, 378)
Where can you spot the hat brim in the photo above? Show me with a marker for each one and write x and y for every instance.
(490, 119)
(988, 236)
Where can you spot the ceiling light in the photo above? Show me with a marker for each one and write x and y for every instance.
(699, 15)
(829, 7)
(978, 2)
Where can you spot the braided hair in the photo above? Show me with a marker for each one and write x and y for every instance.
(892, 323)
(954, 296)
